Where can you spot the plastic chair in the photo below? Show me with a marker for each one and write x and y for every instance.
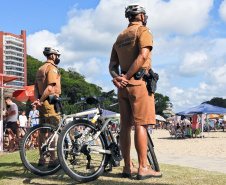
(197, 132)
(178, 134)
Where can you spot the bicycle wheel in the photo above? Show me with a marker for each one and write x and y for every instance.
(81, 163)
(31, 147)
(151, 155)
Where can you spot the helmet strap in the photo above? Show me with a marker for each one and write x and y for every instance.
(140, 21)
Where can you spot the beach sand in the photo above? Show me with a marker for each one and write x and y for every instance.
(212, 145)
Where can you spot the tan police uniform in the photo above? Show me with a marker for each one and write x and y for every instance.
(46, 75)
(137, 106)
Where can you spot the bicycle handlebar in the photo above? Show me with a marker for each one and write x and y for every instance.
(53, 99)
(94, 99)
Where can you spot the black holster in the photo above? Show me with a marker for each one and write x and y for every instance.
(52, 100)
(139, 74)
(151, 81)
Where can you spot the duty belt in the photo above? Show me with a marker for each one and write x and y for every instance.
(138, 75)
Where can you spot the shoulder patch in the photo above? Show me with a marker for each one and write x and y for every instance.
(150, 31)
(54, 70)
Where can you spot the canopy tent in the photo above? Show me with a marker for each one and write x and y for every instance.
(203, 109)
(27, 92)
(4, 79)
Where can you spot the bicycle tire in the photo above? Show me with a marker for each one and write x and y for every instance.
(29, 153)
(76, 165)
(151, 155)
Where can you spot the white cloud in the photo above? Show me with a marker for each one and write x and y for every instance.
(216, 75)
(194, 63)
(86, 42)
(91, 69)
(218, 47)
(37, 41)
(222, 10)
(178, 16)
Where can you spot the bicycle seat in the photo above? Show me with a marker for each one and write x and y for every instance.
(92, 100)
(53, 99)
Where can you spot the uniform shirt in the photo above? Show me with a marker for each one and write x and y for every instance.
(128, 45)
(46, 75)
(13, 118)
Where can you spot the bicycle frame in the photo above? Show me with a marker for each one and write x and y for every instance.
(98, 116)
(64, 117)
(105, 120)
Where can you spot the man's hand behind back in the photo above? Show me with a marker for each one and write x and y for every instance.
(120, 81)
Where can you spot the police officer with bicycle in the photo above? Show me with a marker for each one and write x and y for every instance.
(47, 83)
(132, 53)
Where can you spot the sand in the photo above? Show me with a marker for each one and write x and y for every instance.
(212, 145)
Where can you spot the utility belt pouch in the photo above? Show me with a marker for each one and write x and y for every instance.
(52, 100)
(57, 107)
(151, 81)
(139, 74)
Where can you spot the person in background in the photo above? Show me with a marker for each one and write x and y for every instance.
(34, 113)
(11, 119)
(22, 123)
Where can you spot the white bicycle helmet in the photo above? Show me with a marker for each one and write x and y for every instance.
(133, 10)
(51, 50)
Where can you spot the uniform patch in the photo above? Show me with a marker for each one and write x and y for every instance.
(150, 31)
(54, 70)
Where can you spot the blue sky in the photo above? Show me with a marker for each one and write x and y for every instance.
(189, 40)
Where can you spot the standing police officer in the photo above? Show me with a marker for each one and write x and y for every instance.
(132, 51)
(47, 83)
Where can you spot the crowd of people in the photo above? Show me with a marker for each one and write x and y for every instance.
(193, 127)
(15, 123)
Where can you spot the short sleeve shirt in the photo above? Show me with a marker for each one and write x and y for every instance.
(52, 74)
(22, 120)
(13, 107)
(145, 37)
(46, 75)
(32, 115)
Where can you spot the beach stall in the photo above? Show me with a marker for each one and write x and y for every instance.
(3, 80)
(203, 109)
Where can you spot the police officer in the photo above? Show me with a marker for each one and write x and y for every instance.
(132, 51)
(47, 83)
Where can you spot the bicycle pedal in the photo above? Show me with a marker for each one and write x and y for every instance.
(73, 162)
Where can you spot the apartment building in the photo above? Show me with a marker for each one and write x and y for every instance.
(13, 57)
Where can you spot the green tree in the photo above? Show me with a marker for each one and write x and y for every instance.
(73, 85)
(161, 103)
(32, 68)
(217, 101)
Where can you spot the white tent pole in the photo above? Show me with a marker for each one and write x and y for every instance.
(202, 121)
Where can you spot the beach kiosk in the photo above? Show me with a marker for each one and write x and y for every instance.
(3, 80)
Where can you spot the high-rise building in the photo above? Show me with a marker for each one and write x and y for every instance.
(13, 57)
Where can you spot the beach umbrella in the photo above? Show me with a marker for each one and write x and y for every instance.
(160, 118)
(186, 121)
(25, 93)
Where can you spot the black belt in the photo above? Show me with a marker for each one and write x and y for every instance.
(138, 75)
